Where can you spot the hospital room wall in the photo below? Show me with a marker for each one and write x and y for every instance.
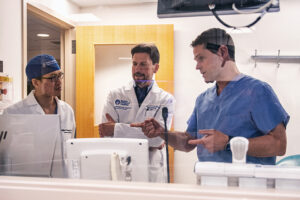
(274, 32)
(11, 42)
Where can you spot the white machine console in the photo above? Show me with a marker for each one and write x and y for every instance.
(245, 175)
(121, 159)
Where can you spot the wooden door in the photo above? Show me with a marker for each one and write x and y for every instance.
(89, 36)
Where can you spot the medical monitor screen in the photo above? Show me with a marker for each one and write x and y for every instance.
(108, 159)
(188, 8)
(27, 144)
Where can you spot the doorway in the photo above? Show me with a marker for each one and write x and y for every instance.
(88, 39)
(59, 44)
(42, 38)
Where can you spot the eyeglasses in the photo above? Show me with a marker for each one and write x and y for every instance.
(54, 78)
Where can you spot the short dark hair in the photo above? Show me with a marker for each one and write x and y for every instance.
(213, 38)
(150, 49)
(30, 85)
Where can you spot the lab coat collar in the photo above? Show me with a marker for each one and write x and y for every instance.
(31, 101)
(131, 86)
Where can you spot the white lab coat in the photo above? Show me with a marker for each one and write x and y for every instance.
(123, 106)
(29, 105)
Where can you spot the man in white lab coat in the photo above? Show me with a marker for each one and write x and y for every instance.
(137, 101)
(45, 75)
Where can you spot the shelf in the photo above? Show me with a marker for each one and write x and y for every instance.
(276, 59)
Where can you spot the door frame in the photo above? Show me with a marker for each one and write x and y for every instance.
(89, 36)
(67, 29)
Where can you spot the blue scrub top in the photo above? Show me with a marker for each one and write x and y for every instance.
(246, 107)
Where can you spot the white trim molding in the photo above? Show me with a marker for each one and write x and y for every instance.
(14, 188)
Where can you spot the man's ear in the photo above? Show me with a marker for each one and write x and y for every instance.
(34, 82)
(156, 67)
(223, 50)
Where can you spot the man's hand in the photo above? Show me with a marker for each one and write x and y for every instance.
(150, 127)
(212, 140)
(107, 128)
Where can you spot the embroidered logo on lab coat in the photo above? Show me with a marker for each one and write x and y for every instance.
(152, 107)
(122, 102)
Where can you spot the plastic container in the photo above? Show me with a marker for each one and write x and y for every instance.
(6, 91)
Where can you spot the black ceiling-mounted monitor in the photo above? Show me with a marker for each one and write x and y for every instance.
(188, 8)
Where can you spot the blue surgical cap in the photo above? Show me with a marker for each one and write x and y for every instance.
(40, 65)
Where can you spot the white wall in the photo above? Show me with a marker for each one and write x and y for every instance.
(11, 42)
(63, 7)
(275, 31)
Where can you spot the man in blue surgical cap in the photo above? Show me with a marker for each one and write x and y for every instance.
(45, 76)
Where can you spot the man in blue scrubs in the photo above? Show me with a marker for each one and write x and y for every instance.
(237, 105)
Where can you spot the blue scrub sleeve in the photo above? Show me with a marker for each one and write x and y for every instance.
(267, 111)
(192, 124)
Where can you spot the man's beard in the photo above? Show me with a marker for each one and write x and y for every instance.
(140, 81)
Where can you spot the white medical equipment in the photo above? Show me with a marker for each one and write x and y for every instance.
(245, 175)
(120, 159)
(239, 148)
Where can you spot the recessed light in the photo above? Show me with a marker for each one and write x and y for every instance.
(42, 35)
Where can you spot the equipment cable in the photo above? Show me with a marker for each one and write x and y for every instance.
(264, 9)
